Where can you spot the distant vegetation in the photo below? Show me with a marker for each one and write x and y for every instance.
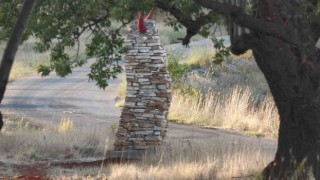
(26, 60)
(231, 95)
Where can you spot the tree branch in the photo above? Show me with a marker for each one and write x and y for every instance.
(239, 17)
(13, 43)
(12, 47)
(192, 26)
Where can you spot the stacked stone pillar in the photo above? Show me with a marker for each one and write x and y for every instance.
(143, 123)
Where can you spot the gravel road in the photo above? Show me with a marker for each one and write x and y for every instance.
(47, 100)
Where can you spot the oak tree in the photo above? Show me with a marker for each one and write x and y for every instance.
(283, 36)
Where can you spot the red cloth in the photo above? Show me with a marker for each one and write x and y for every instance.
(141, 26)
(149, 16)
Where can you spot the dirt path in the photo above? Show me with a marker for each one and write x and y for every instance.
(48, 100)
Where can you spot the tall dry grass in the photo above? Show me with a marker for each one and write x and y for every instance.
(22, 140)
(192, 159)
(122, 90)
(236, 110)
(197, 161)
(188, 158)
(200, 58)
(242, 72)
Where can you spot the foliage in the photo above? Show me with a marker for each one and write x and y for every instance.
(222, 52)
(169, 36)
(57, 25)
(177, 70)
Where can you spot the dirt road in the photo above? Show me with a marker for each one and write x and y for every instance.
(49, 99)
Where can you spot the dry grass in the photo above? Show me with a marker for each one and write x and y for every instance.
(192, 159)
(122, 90)
(197, 161)
(200, 58)
(65, 126)
(26, 60)
(235, 71)
(21, 140)
(216, 158)
(235, 110)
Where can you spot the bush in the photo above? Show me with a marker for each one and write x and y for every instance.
(177, 70)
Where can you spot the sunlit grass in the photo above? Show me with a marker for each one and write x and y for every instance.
(235, 110)
(200, 58)
(65, 125)
(22, 140)
(189, 159)
(122, 89)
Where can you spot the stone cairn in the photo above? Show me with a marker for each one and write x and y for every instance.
(143, 121)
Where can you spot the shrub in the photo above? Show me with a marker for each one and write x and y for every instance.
(177, 70)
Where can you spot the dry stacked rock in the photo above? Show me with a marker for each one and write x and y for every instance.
(143, 122)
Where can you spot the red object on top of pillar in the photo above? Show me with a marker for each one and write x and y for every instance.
(141, 26)
(149, 16)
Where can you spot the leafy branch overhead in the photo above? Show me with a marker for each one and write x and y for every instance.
(57, 26)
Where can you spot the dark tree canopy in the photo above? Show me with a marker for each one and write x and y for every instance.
(282, 35)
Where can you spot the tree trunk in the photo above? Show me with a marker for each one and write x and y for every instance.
(298, 147)
(12, 46)
(296, 94)
(283, 39)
